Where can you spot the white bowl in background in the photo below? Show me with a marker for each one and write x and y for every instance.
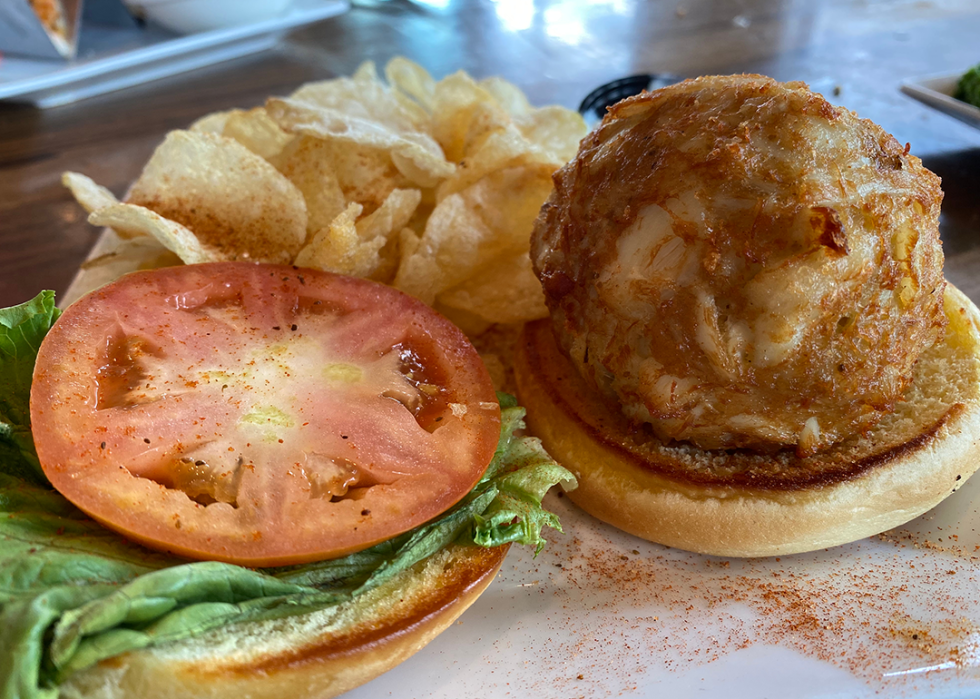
(937, 92)
(192, 16)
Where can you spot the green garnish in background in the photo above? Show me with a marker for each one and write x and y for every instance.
(968, 89)
(73, 593)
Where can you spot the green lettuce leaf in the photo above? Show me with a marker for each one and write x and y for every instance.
(73, 593)
(21, 330)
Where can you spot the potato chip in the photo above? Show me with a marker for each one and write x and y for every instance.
(111, 258)
(411, 80)
(256, 130)
(212, 123)
(455, 101)
(309, 164)
(339, 248)
(142, 252)
(409, 242)
(505, 292)
(507, 95)
(130, 220)
(253, 128)
(367, 247)
(447, 252)
(366, 175)
(473, 229)
(90, 195)
(391, 216)
(485, 130)
(430, 185)
(493, 150)
(428, 165)
(372, 99)
(363, 111)
(386, 223)
(330, 174)
(367, 72)
(509, 201)
(238, 206)
(555, 131)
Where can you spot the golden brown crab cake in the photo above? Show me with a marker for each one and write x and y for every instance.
(739, 263)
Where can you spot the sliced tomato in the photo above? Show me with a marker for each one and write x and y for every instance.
(261, 415)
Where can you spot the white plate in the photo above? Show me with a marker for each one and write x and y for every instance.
(937, 91)
(112, 58)
(604, 614)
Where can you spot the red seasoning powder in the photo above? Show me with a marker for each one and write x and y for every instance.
(900, 612)
(601, 613)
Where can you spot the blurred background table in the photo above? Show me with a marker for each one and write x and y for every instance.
(855, 52)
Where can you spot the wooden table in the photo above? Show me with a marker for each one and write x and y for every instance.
(856, 53)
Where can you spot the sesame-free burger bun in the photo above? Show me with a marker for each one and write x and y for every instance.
(312, 656)
(741, 503)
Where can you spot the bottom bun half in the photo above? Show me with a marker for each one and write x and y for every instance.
(317, 655)
(739, 503)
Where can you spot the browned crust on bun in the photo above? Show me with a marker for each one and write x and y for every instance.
(319, 655)
(738, 503)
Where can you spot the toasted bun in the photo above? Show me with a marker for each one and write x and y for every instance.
(739, 503)
(319, 655)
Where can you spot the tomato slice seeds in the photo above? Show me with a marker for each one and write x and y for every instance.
(258, 414)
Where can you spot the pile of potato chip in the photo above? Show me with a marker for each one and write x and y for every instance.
(432, 187)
